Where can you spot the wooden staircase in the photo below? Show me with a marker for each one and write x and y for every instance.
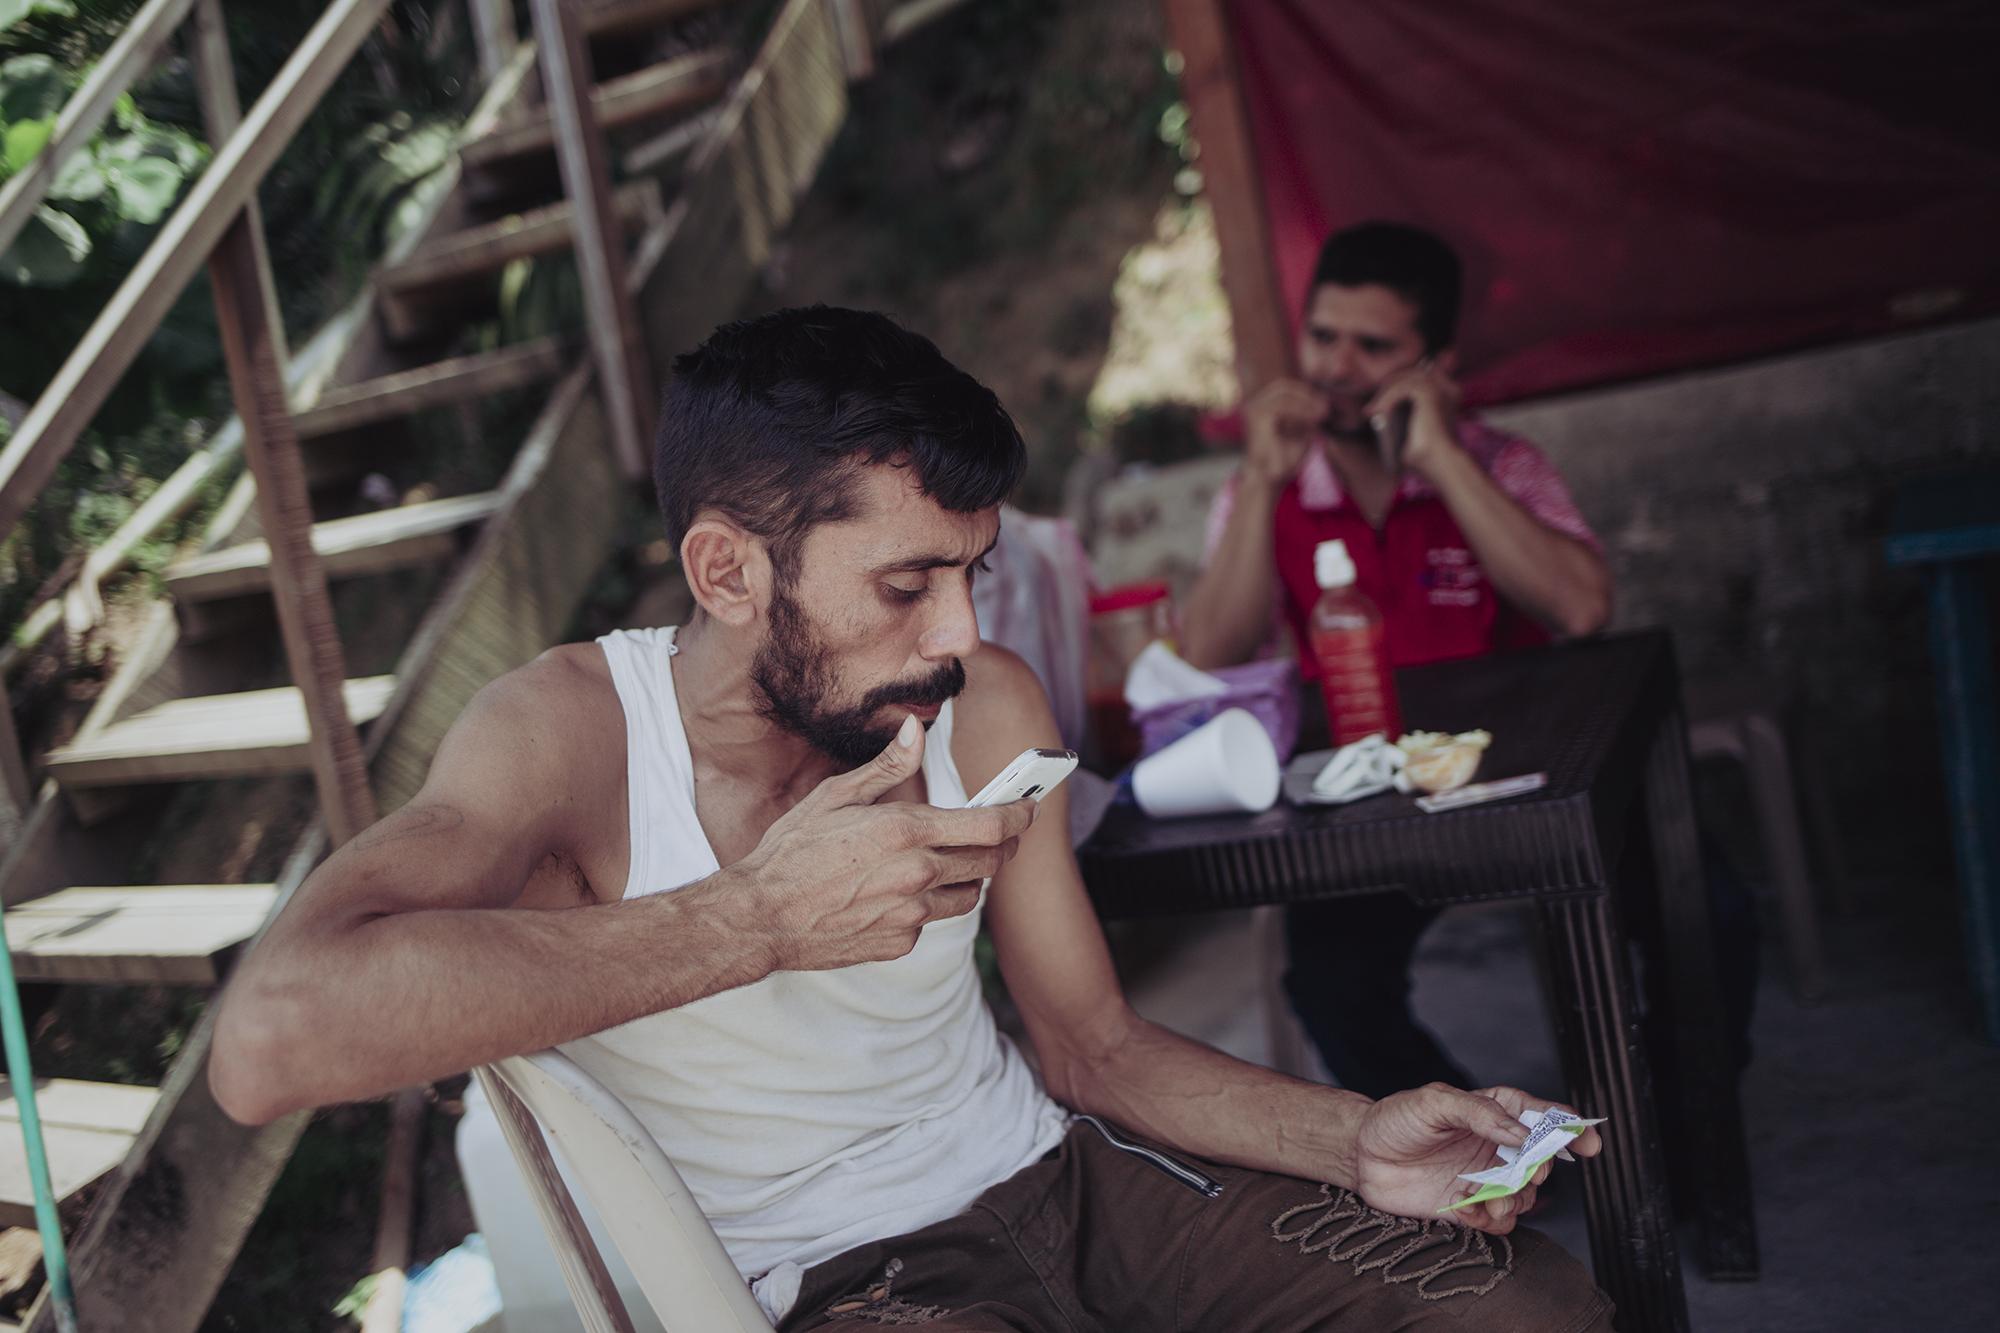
(726, 140)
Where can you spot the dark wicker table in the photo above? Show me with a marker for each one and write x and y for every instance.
(1608, 847)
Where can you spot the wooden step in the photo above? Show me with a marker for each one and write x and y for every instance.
(409, 292)
(673, 86)
(87, 1129)
(164, 934)
(217, 736)
(439, 384)
(414, 534)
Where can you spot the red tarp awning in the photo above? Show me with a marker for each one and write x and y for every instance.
(1644, 186)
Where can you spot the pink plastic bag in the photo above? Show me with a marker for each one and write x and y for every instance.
(1268, 690)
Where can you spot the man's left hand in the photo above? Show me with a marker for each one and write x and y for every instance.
(1412, 1148)
(1433, 398)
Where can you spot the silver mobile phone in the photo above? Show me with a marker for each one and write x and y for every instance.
(1032, 775)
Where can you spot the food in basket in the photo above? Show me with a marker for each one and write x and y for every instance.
(1436, 761)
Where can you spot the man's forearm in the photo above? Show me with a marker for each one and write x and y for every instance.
(1228, 613)
(404, 999)
(1555, 578)
(1194, 1097)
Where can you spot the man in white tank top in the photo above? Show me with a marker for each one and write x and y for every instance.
(726, 868)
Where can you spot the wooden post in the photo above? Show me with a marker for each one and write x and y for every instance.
(298, 583)
(493, 34)
(16, 794)
(617, 342)
(384, 1313)
(1209, 82)
(857, 44)
(221, 113)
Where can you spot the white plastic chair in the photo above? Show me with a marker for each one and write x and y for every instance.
(641, 1201)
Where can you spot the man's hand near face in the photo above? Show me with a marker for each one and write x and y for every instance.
(1555, 578)
(1433, 398)
(1229, 611)
(839, 879)
(1280, 424)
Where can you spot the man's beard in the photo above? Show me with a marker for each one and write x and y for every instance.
(794, 681)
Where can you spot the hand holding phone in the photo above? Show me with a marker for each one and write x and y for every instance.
(1392, 432)
(1032, 775)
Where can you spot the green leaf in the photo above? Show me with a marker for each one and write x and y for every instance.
(23, 139)
(80, 180)
(355, 1301)
(13, 11)
(31, 87)
(49, 251)
(146, 189)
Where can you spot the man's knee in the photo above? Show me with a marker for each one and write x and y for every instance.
(1392, 1271)
(1548, 1290)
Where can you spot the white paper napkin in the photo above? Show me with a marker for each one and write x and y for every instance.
(1159, 676)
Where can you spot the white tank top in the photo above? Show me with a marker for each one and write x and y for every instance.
(810, 1112)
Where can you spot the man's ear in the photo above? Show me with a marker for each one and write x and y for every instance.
(727, 569)
(1447, 361)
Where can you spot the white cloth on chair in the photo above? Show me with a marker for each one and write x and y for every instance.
(810, 1112)
(1034, 600)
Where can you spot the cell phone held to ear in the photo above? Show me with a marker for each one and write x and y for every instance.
(1032, 775)
(1391, 430)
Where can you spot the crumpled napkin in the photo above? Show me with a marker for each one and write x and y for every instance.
(1367, 767)
(1158, 675)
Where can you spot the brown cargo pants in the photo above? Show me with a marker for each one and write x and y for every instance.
(1108, 1234)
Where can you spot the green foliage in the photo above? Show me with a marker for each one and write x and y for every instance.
(130, 173)
(357, 171)
(13, 11)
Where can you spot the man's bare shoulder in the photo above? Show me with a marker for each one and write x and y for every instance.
(551, 722)
(1003, 711)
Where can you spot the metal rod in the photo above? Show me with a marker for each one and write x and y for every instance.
(21, 1078)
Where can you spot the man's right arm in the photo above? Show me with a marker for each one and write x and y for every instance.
(1228, 614)
(405, 957)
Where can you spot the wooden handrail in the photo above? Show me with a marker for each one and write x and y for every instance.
(128, 58)
(182, 246)
(617, 342)
(1210, 81)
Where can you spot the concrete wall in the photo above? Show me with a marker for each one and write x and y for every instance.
(1745, 508)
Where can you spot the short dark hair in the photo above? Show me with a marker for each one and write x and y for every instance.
(1411, 262)
(770, 420)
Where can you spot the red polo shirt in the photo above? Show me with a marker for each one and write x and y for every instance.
(1436, 601)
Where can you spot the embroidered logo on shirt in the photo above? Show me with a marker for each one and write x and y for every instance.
(1451, 577)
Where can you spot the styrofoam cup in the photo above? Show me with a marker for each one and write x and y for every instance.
(1226, 765)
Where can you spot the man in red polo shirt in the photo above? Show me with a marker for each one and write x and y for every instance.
(1472, 546)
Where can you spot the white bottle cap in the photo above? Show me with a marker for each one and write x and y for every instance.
(1333, 567)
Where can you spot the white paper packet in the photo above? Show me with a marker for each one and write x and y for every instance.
(1549, 1133)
